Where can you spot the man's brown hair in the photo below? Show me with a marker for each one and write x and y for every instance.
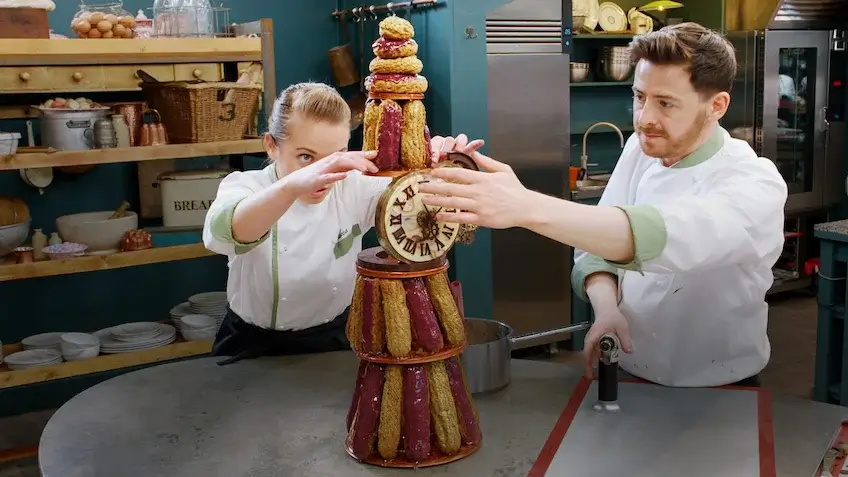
(708, 57)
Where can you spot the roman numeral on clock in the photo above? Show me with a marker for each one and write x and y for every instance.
(425, 249)
(409, 246)
(399, 234)
(394, 219)
(448, 231)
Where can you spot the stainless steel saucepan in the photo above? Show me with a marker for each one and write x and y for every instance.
(487, 357)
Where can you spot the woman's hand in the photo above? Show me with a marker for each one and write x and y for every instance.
(441, 146)
(608, 320)
(333, 168)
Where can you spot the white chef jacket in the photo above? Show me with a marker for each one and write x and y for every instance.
(301, 274)
(707, 232)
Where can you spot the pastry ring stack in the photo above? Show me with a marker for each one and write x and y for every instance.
(411, 406)
(395, 118)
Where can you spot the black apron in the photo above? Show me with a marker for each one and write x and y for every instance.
(239, 339)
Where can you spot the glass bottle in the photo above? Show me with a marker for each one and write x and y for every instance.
(122, 131)
(54, 239)
(39, 241)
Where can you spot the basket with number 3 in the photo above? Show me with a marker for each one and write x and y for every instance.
(194, 112)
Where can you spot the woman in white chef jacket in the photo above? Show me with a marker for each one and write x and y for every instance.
(292, 231)
(676, 259)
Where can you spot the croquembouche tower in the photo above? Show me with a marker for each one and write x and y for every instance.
(411, 406)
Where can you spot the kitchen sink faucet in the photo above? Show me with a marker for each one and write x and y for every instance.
(584, 157)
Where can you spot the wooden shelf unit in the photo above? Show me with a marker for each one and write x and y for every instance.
(76, 66)
(93, 263)
(107, 362)
(76, 51)
(24, 159)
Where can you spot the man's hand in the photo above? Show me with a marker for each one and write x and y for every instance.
(608, 320)
(494, 199)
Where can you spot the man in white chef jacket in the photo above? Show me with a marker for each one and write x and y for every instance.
(676, 258)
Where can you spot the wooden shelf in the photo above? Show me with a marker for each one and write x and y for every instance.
(24, 160)
(92, 263)
(18, 52)
(587, 84)
(110, 362)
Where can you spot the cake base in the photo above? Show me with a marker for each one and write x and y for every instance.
(413, 357)
(399, 462)
(395, 96)
(375, 262)
(389, 173)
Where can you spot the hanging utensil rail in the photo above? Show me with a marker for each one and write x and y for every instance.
(390, 7)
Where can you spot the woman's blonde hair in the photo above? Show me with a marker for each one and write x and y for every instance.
(315, 101)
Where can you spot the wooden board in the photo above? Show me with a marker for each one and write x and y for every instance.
(24, 23)
(181, 349)
(78, 51)
(24, 160)
(663, 431)
(93, 263)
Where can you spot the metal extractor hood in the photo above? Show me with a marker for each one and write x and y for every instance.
(786, 15)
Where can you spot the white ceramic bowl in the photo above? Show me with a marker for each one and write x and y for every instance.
(198, 322)
(96, 230)
(13, 236)
(78, 354)
(77, 346)
(79, 340)
(191, 334)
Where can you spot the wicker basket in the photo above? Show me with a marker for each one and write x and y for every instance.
(195, 112)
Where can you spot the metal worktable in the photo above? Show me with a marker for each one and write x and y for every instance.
(285, 417)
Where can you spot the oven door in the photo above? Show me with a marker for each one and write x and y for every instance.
(795, 72)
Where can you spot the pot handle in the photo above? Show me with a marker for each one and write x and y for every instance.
(556, 331)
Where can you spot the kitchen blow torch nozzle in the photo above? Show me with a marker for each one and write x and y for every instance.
(610, 347)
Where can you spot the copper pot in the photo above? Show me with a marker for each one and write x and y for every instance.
(341, 60)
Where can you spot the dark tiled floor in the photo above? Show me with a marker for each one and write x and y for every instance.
(792, 329)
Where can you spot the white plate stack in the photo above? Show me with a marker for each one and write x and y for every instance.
(135, 337)
(43, 341)
(212, 304)
(33, 358)
(179, 311)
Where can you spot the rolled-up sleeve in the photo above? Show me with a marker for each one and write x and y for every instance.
(616, 193)
(218, 226)
(739, 221)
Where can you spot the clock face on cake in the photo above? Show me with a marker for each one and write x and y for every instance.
(406, 228)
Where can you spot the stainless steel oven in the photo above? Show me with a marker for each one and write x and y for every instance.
(780, 103)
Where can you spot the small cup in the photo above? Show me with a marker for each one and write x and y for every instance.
(24, 255)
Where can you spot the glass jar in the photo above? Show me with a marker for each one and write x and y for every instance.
(105, 20)
(165, 18)
(196, 18)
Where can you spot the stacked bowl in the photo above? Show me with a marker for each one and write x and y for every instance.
(198, 327)
(79, 346)
(212, 304)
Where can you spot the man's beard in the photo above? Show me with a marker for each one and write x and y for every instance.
(667, 148)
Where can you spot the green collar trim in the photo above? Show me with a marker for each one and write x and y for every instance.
(707, 150)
